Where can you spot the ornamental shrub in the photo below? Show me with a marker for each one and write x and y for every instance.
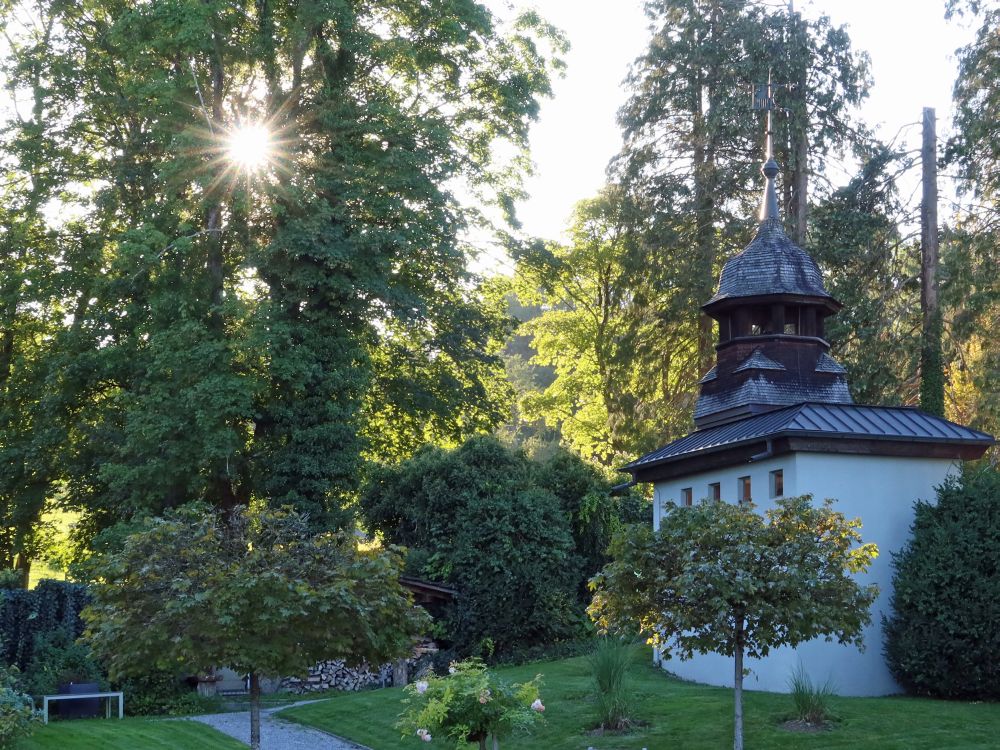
(518, 538)
(471, 704)
(942, 638)
(18, 716)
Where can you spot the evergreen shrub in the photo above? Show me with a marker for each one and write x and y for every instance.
(942, 638)
(28, 617)
(517, 538)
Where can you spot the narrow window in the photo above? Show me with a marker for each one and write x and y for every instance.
(791, 329)
(686, 496)
(743, 489)
(715, 491)
(777, 483)
(755, 329)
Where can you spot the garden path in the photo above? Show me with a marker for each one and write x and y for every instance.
(276, 734)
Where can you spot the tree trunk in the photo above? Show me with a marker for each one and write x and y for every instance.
(496, 743)
(23, 566)
(254, 711)
(931, 365)
(738, 691)
(482, 743)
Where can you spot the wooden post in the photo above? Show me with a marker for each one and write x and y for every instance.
(931, 366)
(399, 673)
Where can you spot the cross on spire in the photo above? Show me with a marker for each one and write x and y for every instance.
(763, 98)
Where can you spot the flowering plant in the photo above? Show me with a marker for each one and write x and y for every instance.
(469, 705)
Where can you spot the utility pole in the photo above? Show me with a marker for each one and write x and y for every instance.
(931, 364)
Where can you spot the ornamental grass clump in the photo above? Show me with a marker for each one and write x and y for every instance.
(811, 701)
(610, 662)
(470, 705)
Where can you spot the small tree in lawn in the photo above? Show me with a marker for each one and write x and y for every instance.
(254, 590)
(723, 578)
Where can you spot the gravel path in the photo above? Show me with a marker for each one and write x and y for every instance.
(276, 734)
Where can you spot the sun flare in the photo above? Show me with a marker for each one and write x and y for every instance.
(249, 146)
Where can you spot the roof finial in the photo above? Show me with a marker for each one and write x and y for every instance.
(764, 99)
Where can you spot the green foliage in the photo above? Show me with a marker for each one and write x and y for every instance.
(28, 618)
(810, 702)
(610, 664)
(867, 265)
(18, 717)
(723, 578)
(516, 538)
(58, 658)
(607, 323)
(940, 639)
(159, 693)
(254, 590)
(11, 580)
(471, 704)
(195, 331)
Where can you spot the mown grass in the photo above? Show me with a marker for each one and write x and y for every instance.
(682, 715)
(128, 734)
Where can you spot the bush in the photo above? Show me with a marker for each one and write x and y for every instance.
(942, 638)
(477, 519)
(18, 716)
(609, 664)
(58, 659)
(164, 694)
(469, 705)
(811, 702)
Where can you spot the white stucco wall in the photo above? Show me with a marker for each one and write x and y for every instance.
(881, 491)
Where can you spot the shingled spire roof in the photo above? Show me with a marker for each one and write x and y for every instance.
(771, 263)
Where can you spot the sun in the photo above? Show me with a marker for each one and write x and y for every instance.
(248, 146)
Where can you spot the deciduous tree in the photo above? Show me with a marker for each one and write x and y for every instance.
(254, 590)
(723, 578)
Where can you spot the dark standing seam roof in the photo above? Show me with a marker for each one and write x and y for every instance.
(820, 420)
(770, 264)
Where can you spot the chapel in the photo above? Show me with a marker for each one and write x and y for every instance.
(775, 418)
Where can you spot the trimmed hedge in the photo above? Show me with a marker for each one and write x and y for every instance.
(943, 639)
(25, 615)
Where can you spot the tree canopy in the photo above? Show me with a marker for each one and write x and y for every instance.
(723, 578)
(254, 590)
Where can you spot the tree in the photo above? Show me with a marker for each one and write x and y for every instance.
(723, 578)
(939, 639)
(690, 140)
(872, 267)
(233, 328)
(516, 537)
(254, 590)
(623, 370)
(970, 253)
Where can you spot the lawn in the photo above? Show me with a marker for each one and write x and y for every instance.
(682, 715)
(128, 734)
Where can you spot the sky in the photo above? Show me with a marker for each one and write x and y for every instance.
(912, 62)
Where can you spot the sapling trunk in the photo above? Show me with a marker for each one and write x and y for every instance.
(254, 711)
(738, 691)
(482, 743)
(496, 743)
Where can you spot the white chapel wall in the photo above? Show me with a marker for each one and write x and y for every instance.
(881, 491)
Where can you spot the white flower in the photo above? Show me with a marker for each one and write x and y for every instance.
(426, 738)
(422, 686)
(452, 670)
(421, 733)
(538, 705)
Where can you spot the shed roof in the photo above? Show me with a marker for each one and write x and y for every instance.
(844, 421)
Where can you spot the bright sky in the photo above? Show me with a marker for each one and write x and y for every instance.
(912, 60)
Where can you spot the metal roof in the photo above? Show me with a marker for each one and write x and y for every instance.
(770, 264)
(819, 420)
